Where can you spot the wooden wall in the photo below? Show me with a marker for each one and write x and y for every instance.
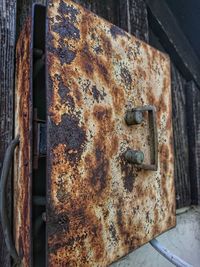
(181, 148)
(7, 51)
(193, 125)
(134, 16)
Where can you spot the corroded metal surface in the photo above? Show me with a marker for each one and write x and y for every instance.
(99, 206)
(23, 164)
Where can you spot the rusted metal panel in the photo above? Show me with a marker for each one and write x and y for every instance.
(100, 207)
(23, 155)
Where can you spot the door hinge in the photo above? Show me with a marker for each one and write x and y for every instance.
(39, 143)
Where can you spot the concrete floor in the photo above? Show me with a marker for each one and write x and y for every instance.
(183, 241)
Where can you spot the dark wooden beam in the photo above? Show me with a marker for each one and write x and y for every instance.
(104, 8)
(133, 18)
(193, 126)
(163, 22)
(7, 52)
(181, 146)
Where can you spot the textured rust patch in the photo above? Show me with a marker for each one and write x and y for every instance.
(68, 10)
(113, 232)
(99, 206)
(87, 61)
(59, 223)
(103, 113)
(97, 95)
(164, 157)
(70, 134)
(115, 31)
(126, 77)
(65, 27)
(65, 54)
(99, 174)
(65, 96)
(129, 173)
(118, 99)
(106, 45)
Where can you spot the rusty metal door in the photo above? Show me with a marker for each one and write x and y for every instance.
(110, 177)
(107, 100)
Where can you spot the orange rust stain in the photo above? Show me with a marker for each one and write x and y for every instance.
(142, 73)
(156, 215)
(166, 83)
(118, 98)
(103, 118)
(106, 45)
(169, 121)
(114, 144)
(86, 62)
(151, 98)
(164, 157)
(162, 103)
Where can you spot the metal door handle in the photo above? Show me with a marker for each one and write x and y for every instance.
(3, 205)
(135, 116)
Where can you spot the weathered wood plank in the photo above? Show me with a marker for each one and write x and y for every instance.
(181, 148)
(104, 8)
(193, 125)
(133, 18)
(7, 47)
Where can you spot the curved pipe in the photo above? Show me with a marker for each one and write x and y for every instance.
(3, 205)
(168, 255)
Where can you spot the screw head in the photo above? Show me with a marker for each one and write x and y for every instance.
(134, 156)
(133, 117)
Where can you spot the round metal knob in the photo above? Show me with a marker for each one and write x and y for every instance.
(134, 156)
(133, 117)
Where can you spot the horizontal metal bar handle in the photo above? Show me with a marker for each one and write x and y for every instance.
(3, 205)
(132, 119)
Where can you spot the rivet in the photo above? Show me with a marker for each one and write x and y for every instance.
(134, 156)
(133, 117)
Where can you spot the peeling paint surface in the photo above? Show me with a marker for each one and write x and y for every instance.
(23, 159)
(99, 207)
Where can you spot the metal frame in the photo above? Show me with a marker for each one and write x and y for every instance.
(154, 137)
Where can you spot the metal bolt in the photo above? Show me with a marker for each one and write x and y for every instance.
(134, 156)
(44, 216)
(133, 117)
